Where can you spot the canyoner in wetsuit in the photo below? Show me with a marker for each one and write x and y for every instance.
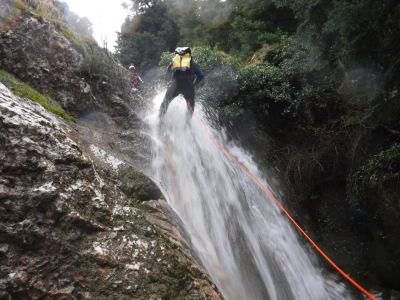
(185, 75)
(136, 80)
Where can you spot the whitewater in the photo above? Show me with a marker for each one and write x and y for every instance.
(238, 234)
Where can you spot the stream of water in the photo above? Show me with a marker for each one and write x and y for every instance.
(239, 235)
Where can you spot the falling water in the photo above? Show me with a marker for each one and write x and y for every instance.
(239, 235)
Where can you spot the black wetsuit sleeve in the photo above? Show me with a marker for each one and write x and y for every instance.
(197, 72)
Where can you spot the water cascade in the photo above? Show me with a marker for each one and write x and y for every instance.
(248, 247)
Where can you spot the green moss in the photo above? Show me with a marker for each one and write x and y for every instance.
(21, 89)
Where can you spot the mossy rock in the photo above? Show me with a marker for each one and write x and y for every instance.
(138, 186)
(23, 90)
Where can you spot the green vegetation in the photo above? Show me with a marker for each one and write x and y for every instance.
(76, 29)
(236, 27)
(59, 15)
(145, 36)
(205, 56)
(378, 169)
(99, 67)
(21, 89)
(318, 62)
(21, 5)
(80, 43)
(98, 63)
(319, 78)
(302, 72)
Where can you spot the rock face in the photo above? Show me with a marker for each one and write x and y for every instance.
(33, 50)
(70, 228)
(37, 53)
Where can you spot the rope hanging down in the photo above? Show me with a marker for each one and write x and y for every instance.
(269, 193)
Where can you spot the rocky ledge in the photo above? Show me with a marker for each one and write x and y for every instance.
(76, 223)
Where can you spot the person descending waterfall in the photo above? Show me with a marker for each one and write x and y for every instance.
(136, 80)
(183, 74)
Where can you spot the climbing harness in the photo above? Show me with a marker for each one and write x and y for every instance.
(269, 193)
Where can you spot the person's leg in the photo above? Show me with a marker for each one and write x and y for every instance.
(188, 93)
(170, 94)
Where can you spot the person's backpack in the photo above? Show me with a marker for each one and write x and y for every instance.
(182, 60)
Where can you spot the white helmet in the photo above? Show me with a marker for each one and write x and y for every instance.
(132, 67)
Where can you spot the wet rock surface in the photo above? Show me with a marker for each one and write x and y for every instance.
(72, 227)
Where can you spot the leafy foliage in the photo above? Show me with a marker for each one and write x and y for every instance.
(145, 36)
(319, 78)
(375, 171)
(103, 70)
(238, 27)
(322, 68)
(141, 6)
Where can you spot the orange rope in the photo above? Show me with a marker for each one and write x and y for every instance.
(220, 147)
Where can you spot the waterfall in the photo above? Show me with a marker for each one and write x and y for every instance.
(249, 249)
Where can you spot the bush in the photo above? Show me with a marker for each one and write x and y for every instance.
(21, 89)
(207, 59)
(100, 65)
(97, 64)
(81, 44)
(166, 58)
(377, 169)
(269, 94)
